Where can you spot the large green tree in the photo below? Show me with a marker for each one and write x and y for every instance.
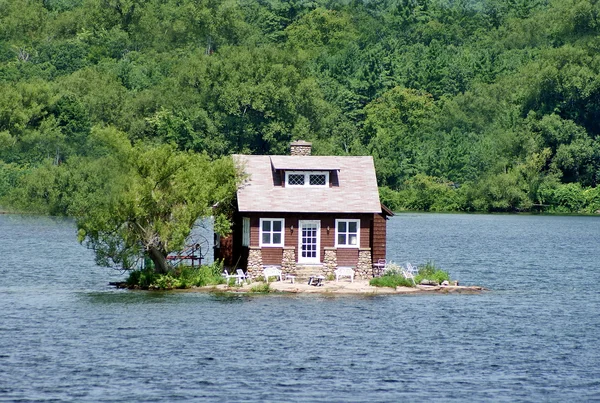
(150, 204)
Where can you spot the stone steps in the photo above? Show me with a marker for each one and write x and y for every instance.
(305, 271)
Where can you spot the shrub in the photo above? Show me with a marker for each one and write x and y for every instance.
(569, 198)
(393, 278)
(392, 281)
(592, 196)
(431, 272)
(141, 278)
(180, 277)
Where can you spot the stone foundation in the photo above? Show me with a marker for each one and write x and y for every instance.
(329, 261)
(364, 268)
(288, 261)
(255, 262)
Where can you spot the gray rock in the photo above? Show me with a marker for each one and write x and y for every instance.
(428, 282)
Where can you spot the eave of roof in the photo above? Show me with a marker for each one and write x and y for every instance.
(312, 163)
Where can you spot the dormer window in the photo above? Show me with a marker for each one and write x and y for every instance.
(307, 178)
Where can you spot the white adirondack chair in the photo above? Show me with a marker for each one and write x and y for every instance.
(412, 269)
(409, 273)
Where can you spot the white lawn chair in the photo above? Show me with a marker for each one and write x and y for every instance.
(241, 276)
(344, 272)
(409, 274)
(412, 269)
(227, 275)
(272, 271)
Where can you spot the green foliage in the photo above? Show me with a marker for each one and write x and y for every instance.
(393, 277)
(180, 278)
(141, 278)
(391, 280)
(464, 106)
(151, 204)
(430, 194)
(431, 272)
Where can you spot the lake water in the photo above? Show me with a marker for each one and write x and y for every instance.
(65, 335)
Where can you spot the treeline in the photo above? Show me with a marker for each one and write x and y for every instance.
(471, 105)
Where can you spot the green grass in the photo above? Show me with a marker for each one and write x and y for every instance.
(261, 288)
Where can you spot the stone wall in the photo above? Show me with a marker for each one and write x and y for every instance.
(288, 261)
(329, 261)
(255, 262)
(364, 268)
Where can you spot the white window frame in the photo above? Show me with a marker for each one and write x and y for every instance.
(347, 221)
(245, 231)
(307, 178)
(274, 245)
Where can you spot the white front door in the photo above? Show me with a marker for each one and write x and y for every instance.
(309, 241)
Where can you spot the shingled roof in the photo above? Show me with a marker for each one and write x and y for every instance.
(357, 191)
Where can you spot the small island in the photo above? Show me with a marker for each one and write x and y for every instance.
(396, 279)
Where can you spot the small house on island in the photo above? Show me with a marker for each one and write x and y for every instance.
(307, 214)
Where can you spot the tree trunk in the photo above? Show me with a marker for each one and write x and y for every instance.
(159, 259)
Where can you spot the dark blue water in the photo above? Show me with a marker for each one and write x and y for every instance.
(66, 336)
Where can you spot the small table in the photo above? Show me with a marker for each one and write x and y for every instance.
(292, 278)
(317, 281)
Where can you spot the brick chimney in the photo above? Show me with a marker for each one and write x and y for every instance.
(300, 148)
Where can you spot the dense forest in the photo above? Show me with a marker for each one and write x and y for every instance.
(465, 105)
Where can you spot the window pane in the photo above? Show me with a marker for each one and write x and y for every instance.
(277, 226)
(342, 239)
(317, 180)
(352, 226)
(276, 238)
(296, 179)
(266, 225)
(266, 238)
(352, 239)
(341, 226)
(245, 231)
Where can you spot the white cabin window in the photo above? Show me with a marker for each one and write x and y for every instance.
(347, 233)
(271, 231)
(307, 178)
(245, 231)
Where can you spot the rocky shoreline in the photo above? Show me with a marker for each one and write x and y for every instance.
(331, 287)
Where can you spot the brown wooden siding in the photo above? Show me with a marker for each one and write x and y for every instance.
(372, 235)
(347, 257)
(379, 237)
(272, 255)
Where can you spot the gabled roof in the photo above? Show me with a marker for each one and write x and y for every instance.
(357, 191)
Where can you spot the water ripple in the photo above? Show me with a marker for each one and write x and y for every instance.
(533, 338)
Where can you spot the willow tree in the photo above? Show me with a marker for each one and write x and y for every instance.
(150, 204)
